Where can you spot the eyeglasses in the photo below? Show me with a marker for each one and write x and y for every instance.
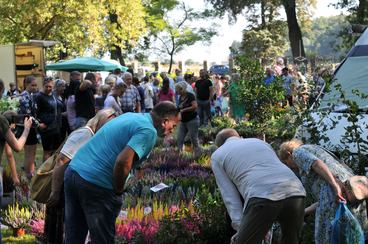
(47, 78)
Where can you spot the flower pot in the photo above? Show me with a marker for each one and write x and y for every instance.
(17, 232)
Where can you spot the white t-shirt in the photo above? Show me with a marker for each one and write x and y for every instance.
(70, 111)
(110, 102)
(148, 95)
(251, 168)
(76, 140)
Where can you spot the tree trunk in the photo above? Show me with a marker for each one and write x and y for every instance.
(171, 62)
(115, 50)
(117, 54)
(263, 13)
(295, 35)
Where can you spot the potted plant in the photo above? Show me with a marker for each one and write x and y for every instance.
(17, 218)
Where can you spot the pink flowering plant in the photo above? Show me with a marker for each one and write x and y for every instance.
(139, 224)
(137, 230)
(37, 227)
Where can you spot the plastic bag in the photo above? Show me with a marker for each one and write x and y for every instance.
(346, 228)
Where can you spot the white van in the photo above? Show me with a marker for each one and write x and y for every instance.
(331, 119)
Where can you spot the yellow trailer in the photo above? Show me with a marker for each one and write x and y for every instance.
(19, 60)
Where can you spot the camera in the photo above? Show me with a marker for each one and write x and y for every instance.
(19, 120)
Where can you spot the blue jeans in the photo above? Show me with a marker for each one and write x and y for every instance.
(190, 127)
(204, 111)
(89, 207)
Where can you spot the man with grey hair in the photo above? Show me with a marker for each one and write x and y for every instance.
(130, 100)
(111, 80)
(257, 188)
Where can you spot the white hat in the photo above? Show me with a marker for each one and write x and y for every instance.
(359, 187)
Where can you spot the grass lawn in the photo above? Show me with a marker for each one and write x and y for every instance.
(19, 158)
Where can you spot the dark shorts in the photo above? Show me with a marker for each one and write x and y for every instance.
(32, 137)
(50, 141)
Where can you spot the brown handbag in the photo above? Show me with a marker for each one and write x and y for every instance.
(40, 186)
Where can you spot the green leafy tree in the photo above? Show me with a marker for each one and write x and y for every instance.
(76, 25)
(260, 100)
(357, 8)
(264, 38)
(174, 34)
(323, 41)
(265, 43)
(236, 7)
(358, 15)
(125, 26)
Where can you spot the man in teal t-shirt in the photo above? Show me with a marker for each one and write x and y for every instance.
(95, 178)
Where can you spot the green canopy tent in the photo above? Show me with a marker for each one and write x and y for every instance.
(85, 64)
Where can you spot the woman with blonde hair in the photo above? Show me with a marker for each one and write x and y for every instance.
(49, 110)
(113, 98)
(55, 206)
(323, 175)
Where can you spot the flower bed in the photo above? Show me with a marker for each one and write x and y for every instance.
(189, 210)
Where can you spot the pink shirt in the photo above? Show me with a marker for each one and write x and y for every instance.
(166, 97)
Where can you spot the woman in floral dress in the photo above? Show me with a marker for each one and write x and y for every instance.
(319, 170)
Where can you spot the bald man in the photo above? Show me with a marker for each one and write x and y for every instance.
(257, 188)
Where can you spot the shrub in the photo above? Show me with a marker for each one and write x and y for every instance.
(17, 217)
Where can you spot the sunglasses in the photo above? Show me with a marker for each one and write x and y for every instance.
(48, 79)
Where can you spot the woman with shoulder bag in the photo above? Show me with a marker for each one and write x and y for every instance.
(54, 222)
(49, 115)
(326, 178)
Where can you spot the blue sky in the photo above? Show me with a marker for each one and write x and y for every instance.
(219, 49)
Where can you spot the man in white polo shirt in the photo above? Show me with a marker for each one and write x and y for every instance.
(257, 188)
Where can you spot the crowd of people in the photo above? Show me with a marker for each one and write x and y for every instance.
(103, 132)
(298, 90)
(60, 107)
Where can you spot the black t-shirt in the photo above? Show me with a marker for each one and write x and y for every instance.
(185, 103)
(85, 103)
(48, 109)
(203, 89)
(71, 88)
